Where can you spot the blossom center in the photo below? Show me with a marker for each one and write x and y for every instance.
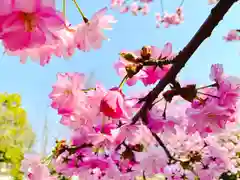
(29, 20)
(67, 92)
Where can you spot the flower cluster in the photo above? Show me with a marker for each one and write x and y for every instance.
(170, 19)
(143, 7)
(134, 7)
(185, 132)
(42, 30)
(232, 35)
(106, 143)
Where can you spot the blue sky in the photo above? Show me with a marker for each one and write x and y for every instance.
(34, 82)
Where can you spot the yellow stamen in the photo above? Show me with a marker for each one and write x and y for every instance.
(67, 92)
(29, 21)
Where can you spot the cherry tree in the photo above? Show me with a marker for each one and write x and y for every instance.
(178, 130)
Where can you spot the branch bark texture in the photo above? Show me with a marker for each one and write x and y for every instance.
(216, 15)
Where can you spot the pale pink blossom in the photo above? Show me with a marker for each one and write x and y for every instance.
(65, 46)
(124, 9)
(158, 20)
(134, 8)
(216, 72)
(117, 3)
(145, 9)
(219, 108)
(181, 144)
(171, 19)
(152, 161)
(157, 123)
(101, 140)
(35, 169)
(95, 163)
(66, 91)
(88, 102)
(232, 35)
(41, 55)
(89, 34)
(79, 135)
(215, 161)
(134, 134)
(177, 172)
(158, 17)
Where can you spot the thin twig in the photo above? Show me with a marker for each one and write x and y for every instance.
(162, 6)
(160, 142)
(181, 3)
(64, 9)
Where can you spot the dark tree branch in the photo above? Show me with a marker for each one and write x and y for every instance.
(216, 15)
(160, 142)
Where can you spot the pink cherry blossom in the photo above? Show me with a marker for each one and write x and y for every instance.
(112, 148)
(79, 136)
(124, 9)
(171, 19)
(95, 163)
(65, 92)
(101, 140)
(156, 73)
(113, 105)
(216, 72)
(89, 101)
(209, 117)
(152, 162)
(158, 17)
(213, 114)
(158, 20)
(63, 47)
(120, 67)
(33, 25)
(106, 128)
(145, 9)
(176, 172)
(134, 134)
(36, 170)
(134, 8)
(232, 35)
(185, 138)
(181, 144)
(89, 34)
(148, 75)
(117, 3)
(157, 123)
